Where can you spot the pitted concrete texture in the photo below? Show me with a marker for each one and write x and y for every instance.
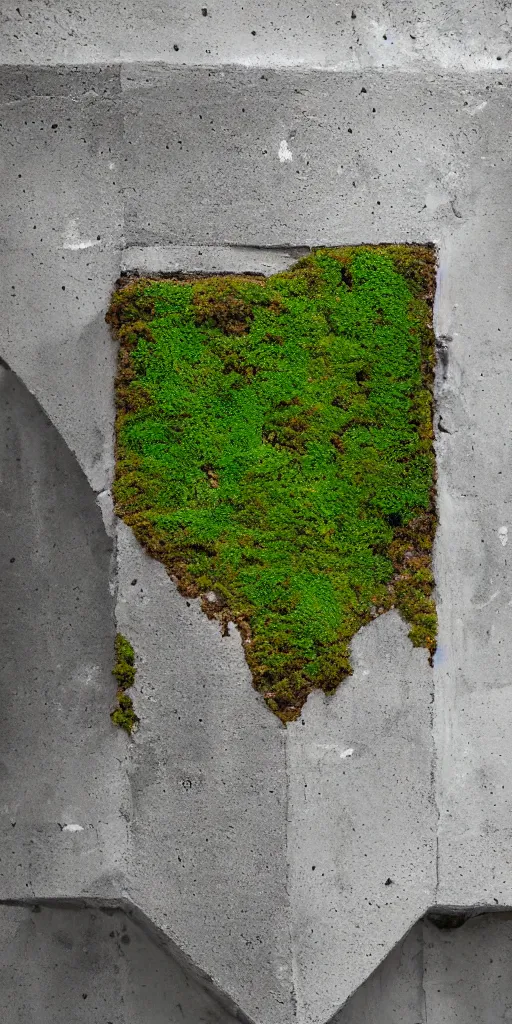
(473, 686)
(362, 817)
(341, 34)
(208, 259)
(305, 158)
(460, 974)
(209, 793)
(73, 965)
(60, 213)
(394, 993)
(369, 155)
(468, 971)
(78, 965)
(62, 782)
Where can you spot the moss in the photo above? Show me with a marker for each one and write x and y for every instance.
(124, 671)
(274, 447)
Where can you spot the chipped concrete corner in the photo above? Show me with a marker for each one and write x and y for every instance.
(213, 865)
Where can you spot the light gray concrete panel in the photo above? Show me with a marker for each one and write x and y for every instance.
(473, 691)
(468, 971)
(394, 993)
(61, 222)
(79, 966)
(429, 164)
(299, 158)
(208, 259)
(61, 760)
(457, 974)
(209, 793)
(362, 817)
(333, 33)
(346, 913)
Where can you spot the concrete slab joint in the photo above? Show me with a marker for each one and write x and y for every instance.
(355, 865)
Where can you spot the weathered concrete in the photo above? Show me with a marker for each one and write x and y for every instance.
(373, 157)
(461, 975)
(75, 966)
(341, 35)
(62, 783)
(71, 965)
(473, 691)
(60, 213)
(394, 993)
(362, 818)
(208, 259)
(209, 793)
(468, 971)
(428, 155)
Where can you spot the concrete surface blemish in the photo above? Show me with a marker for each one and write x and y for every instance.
(274, 452)
(124, 671)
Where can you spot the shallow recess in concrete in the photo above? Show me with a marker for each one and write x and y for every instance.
(274, 451)
(61, 827)
(441, 976)
(76, 965)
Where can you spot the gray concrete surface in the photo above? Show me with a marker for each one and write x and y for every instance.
(394, 993)
(60, 215)
(208, 793)
(78, 966)
(362, 818)
(468, 971)
(457, 975)
(473, 695)
(302, 158)
(63, 788)
(339, 34)
(74, 965)
(257, 158)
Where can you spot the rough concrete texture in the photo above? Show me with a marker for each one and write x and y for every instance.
(62, 829)
(335, 33)
(207, 826)
(68, 965)
(394, 993)
(78, 965)
(457, 975)
(368, 157)
(362, 818)
(209, 793)
(60, 213)
(468, 971)
(473, 696)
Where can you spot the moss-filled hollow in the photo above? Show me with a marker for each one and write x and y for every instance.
(274, 451)
(124, 671)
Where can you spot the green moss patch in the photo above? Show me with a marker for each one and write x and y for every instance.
(274, 451)
(124, 671)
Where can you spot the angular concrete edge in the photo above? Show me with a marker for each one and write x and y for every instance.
(67, 961)
(446, 181)
(329, 911)
(63, 831)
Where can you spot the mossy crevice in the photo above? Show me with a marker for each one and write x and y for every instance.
(124, 671)
(274, 451)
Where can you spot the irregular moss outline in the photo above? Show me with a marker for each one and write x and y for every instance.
(221, 306)
(124, 671)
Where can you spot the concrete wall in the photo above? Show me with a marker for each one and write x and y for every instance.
(277, 867)
(72, 965)
(343, 36)
(445, 976)
(76, 965)
(63, 786)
